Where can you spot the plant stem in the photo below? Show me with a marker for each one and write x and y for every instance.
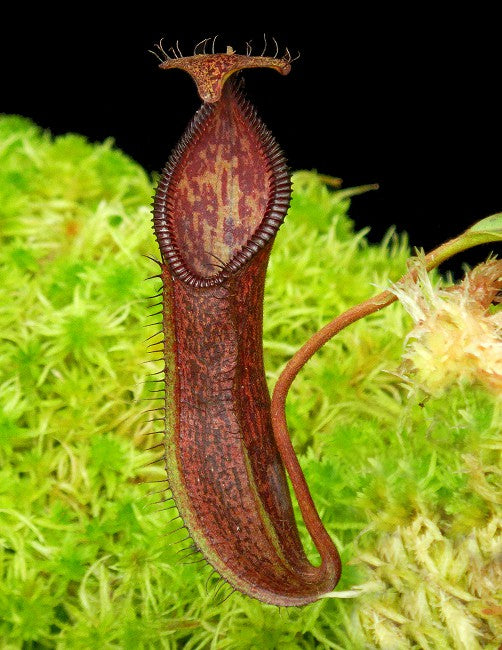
(471, 237)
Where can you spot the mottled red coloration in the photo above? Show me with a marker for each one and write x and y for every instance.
(218, 198)
(220, 201)
(211, 71)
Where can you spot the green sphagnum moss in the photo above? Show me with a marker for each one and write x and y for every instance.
(408, 491)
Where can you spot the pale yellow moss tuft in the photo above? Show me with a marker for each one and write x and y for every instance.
(455, 338)
(420, 571)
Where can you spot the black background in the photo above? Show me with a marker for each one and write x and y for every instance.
(407, 98)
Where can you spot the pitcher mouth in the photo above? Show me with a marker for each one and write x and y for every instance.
(207, 239)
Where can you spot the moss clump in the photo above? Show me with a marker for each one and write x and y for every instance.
(408, 491)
